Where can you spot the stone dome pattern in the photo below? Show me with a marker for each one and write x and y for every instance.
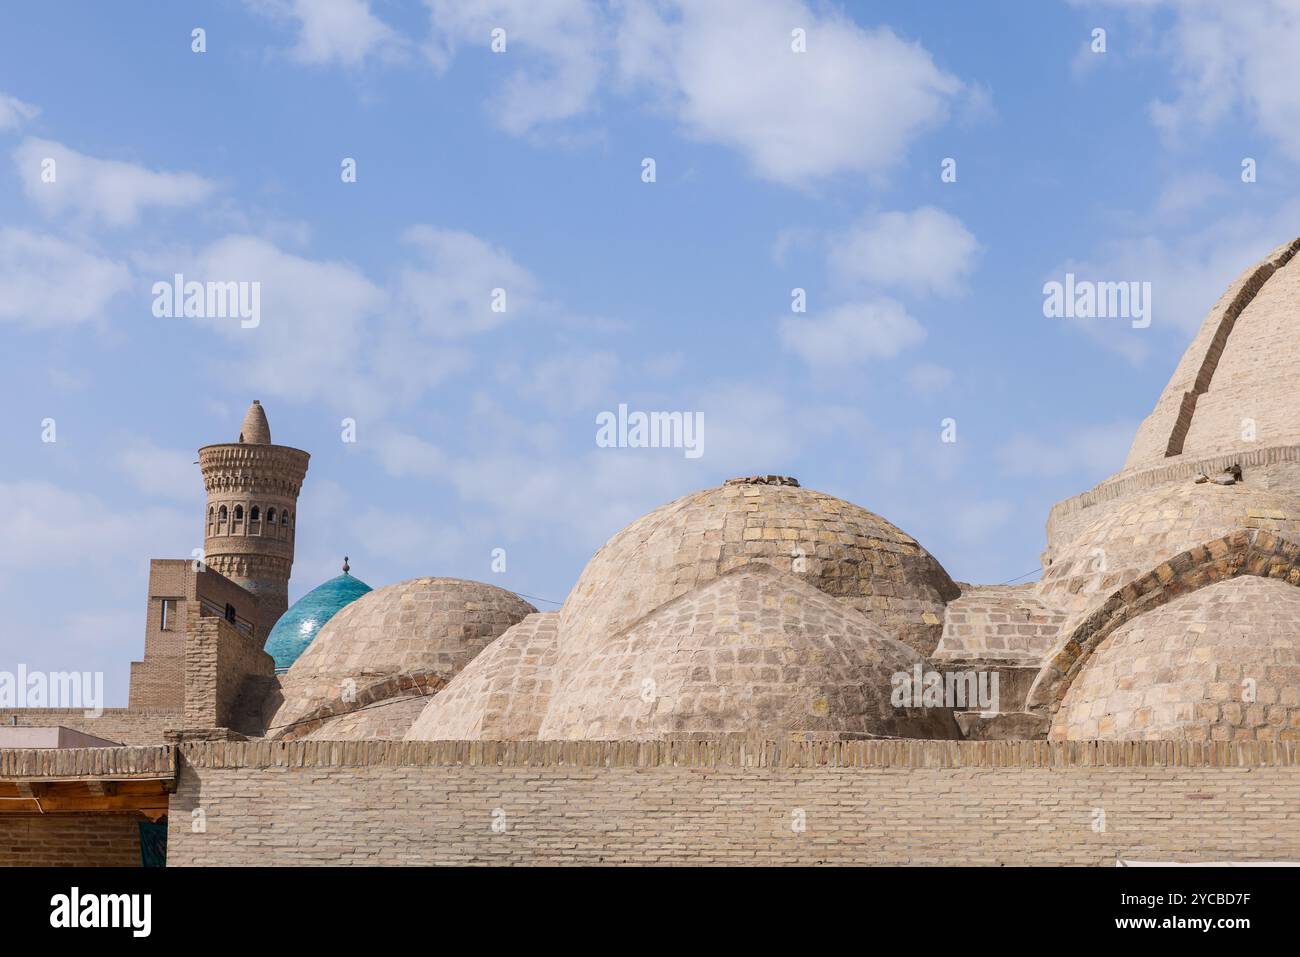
(424, 626)
(298, 627)
(1218, 664)
(501, 695)
(754, 650)
(837, 547)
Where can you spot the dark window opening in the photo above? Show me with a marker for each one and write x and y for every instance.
(230, 613)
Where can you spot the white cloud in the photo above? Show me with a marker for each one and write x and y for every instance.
(1188, 192)
(1228, 59)
(52, 528)
(166, 473)
(403, 455)
(48, 281)
(329, 333)
(928, 378)
(852, 333)
(553, 48)
(334, 31)
(925, 250)
(110, 191)
(13, 112)
(572, 381)
(1188, 270)
(976, 521)
(317, 319)
(725, 70)
(451, 292)
(1098, 449)
(854, 102)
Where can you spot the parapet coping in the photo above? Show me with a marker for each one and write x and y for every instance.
(740, 751)
(151, 763)
(1123, 484)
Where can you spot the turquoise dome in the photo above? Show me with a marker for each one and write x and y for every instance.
(298, 626)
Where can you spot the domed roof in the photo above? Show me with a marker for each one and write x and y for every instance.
(1134, 535)
(298, 626)
(837, 547)
(503, 694)
(752, 651)
(1235, 388)
(256, 430)
(420, 626)
(1221, 663)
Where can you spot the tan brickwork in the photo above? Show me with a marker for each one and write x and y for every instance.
(755, 650)
(246, 479)
(502, 694)
(1220, 663)
(1195, 413)
(70, 840)
(839, 548)
(936, 803)
(1005, 623)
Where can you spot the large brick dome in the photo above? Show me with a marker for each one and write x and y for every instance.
(837, 547)
(1221, 663)
(753, 651)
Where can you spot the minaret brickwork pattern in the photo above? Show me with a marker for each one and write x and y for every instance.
(252, 513)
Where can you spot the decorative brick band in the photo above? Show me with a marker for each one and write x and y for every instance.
(99, 764)
(408, 685)
(739, 751)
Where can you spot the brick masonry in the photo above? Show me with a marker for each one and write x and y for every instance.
(734, 800)
(70, 840)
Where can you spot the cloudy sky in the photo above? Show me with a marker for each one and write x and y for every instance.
(522, 170)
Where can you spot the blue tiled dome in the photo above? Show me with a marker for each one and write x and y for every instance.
(298, 626)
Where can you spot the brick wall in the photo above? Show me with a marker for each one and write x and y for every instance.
(122, 725)
(723, 800)
(219, 661)
(158, 681)
(69, 840)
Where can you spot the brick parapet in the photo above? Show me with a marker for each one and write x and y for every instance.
(728, 751)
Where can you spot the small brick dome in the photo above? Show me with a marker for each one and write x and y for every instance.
(418, 626)
(1218, 664)
(503, 694)
(752, 651)
(835, 546)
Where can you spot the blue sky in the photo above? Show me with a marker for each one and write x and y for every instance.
(522, 170)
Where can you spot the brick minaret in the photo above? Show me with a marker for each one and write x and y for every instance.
(252, 513)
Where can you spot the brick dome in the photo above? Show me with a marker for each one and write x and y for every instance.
(752, 651)
(503, 694)
(1221, 663)
(835, 546)
(422, 626)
